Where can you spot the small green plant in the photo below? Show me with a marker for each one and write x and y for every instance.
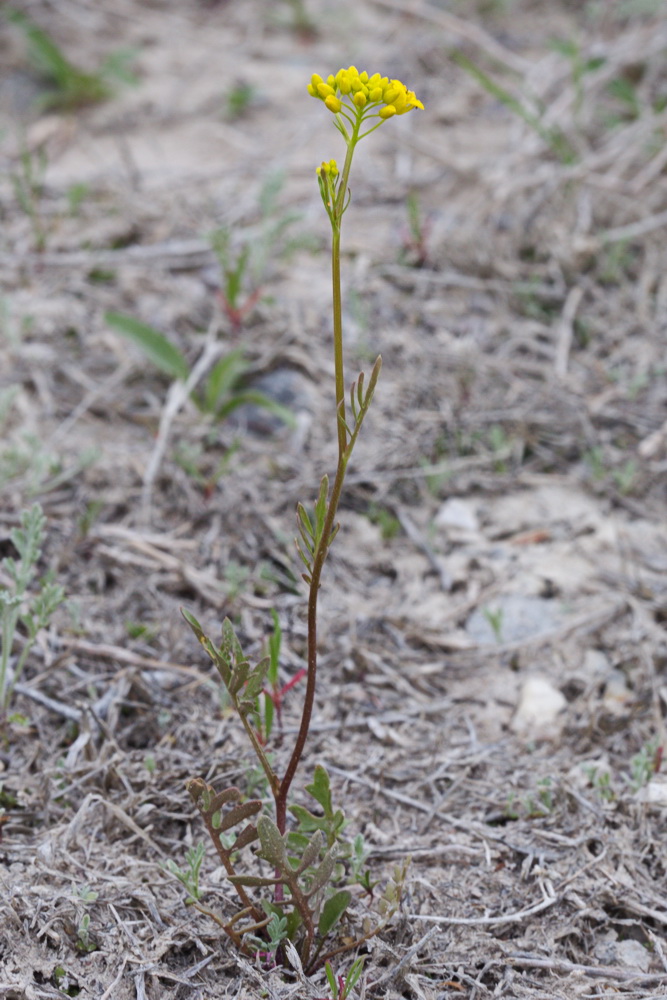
(28, 183)
(494, 617)
(84, 941)
(645, 764)
(340, 987)
(189, 877)
(238, 100)
(580, 65)
(552, 136)
(414, 250)
(245, 255)
(68, 86)
(600, 780)
(302, 887)
(387, 522)
(223, 391)
(19, 605)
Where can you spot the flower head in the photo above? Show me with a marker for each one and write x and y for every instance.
(358, 95)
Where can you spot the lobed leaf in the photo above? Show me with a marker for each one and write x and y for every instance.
(320, 789)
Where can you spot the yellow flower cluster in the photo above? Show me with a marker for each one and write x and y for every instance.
(329, 168)
(365, 93)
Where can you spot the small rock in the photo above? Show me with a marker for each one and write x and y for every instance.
(633, 955)
(540, 704)
(458, 515)
(653, 794)
(617, 694)
(513, 618)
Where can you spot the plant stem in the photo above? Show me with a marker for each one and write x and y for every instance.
(344, 452)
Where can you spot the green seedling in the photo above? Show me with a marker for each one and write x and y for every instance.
(189, 877)
(414, 251)
(300, 888)
(68, 86)
(340, 987)
(28, 182)
(22, 603)
(238, 100)
(645, 764)
(245, 256)
(388, 523)
(580, 65)
(494, 617)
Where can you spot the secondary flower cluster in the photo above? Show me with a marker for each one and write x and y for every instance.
(390, 97)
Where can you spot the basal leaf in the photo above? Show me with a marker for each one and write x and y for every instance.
(154, 344)
(333, 910)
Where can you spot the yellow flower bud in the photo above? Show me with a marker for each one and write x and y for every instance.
(357, 85)
(324, 90)
(360, 99)
(363, 77)
(331, 80)
(374, 80)
(390, 93)
(387, 112)
(333, 168)
(315, 79)
(333, 103)
(353, 71)
(375, 95)
(344, 84)
(311, 90)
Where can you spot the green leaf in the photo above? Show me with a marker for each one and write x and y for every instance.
(245, 837)
(273, 845)
(222, 379)
(321, 506)
(323, 873)
(256, 398)
(256, 679)
(239, 813)
(251, 881)
(320, 789)
(311, 853)
(154, 344)
(333, 910)
(307, 821)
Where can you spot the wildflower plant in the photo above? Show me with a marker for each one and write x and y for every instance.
(304, 888)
